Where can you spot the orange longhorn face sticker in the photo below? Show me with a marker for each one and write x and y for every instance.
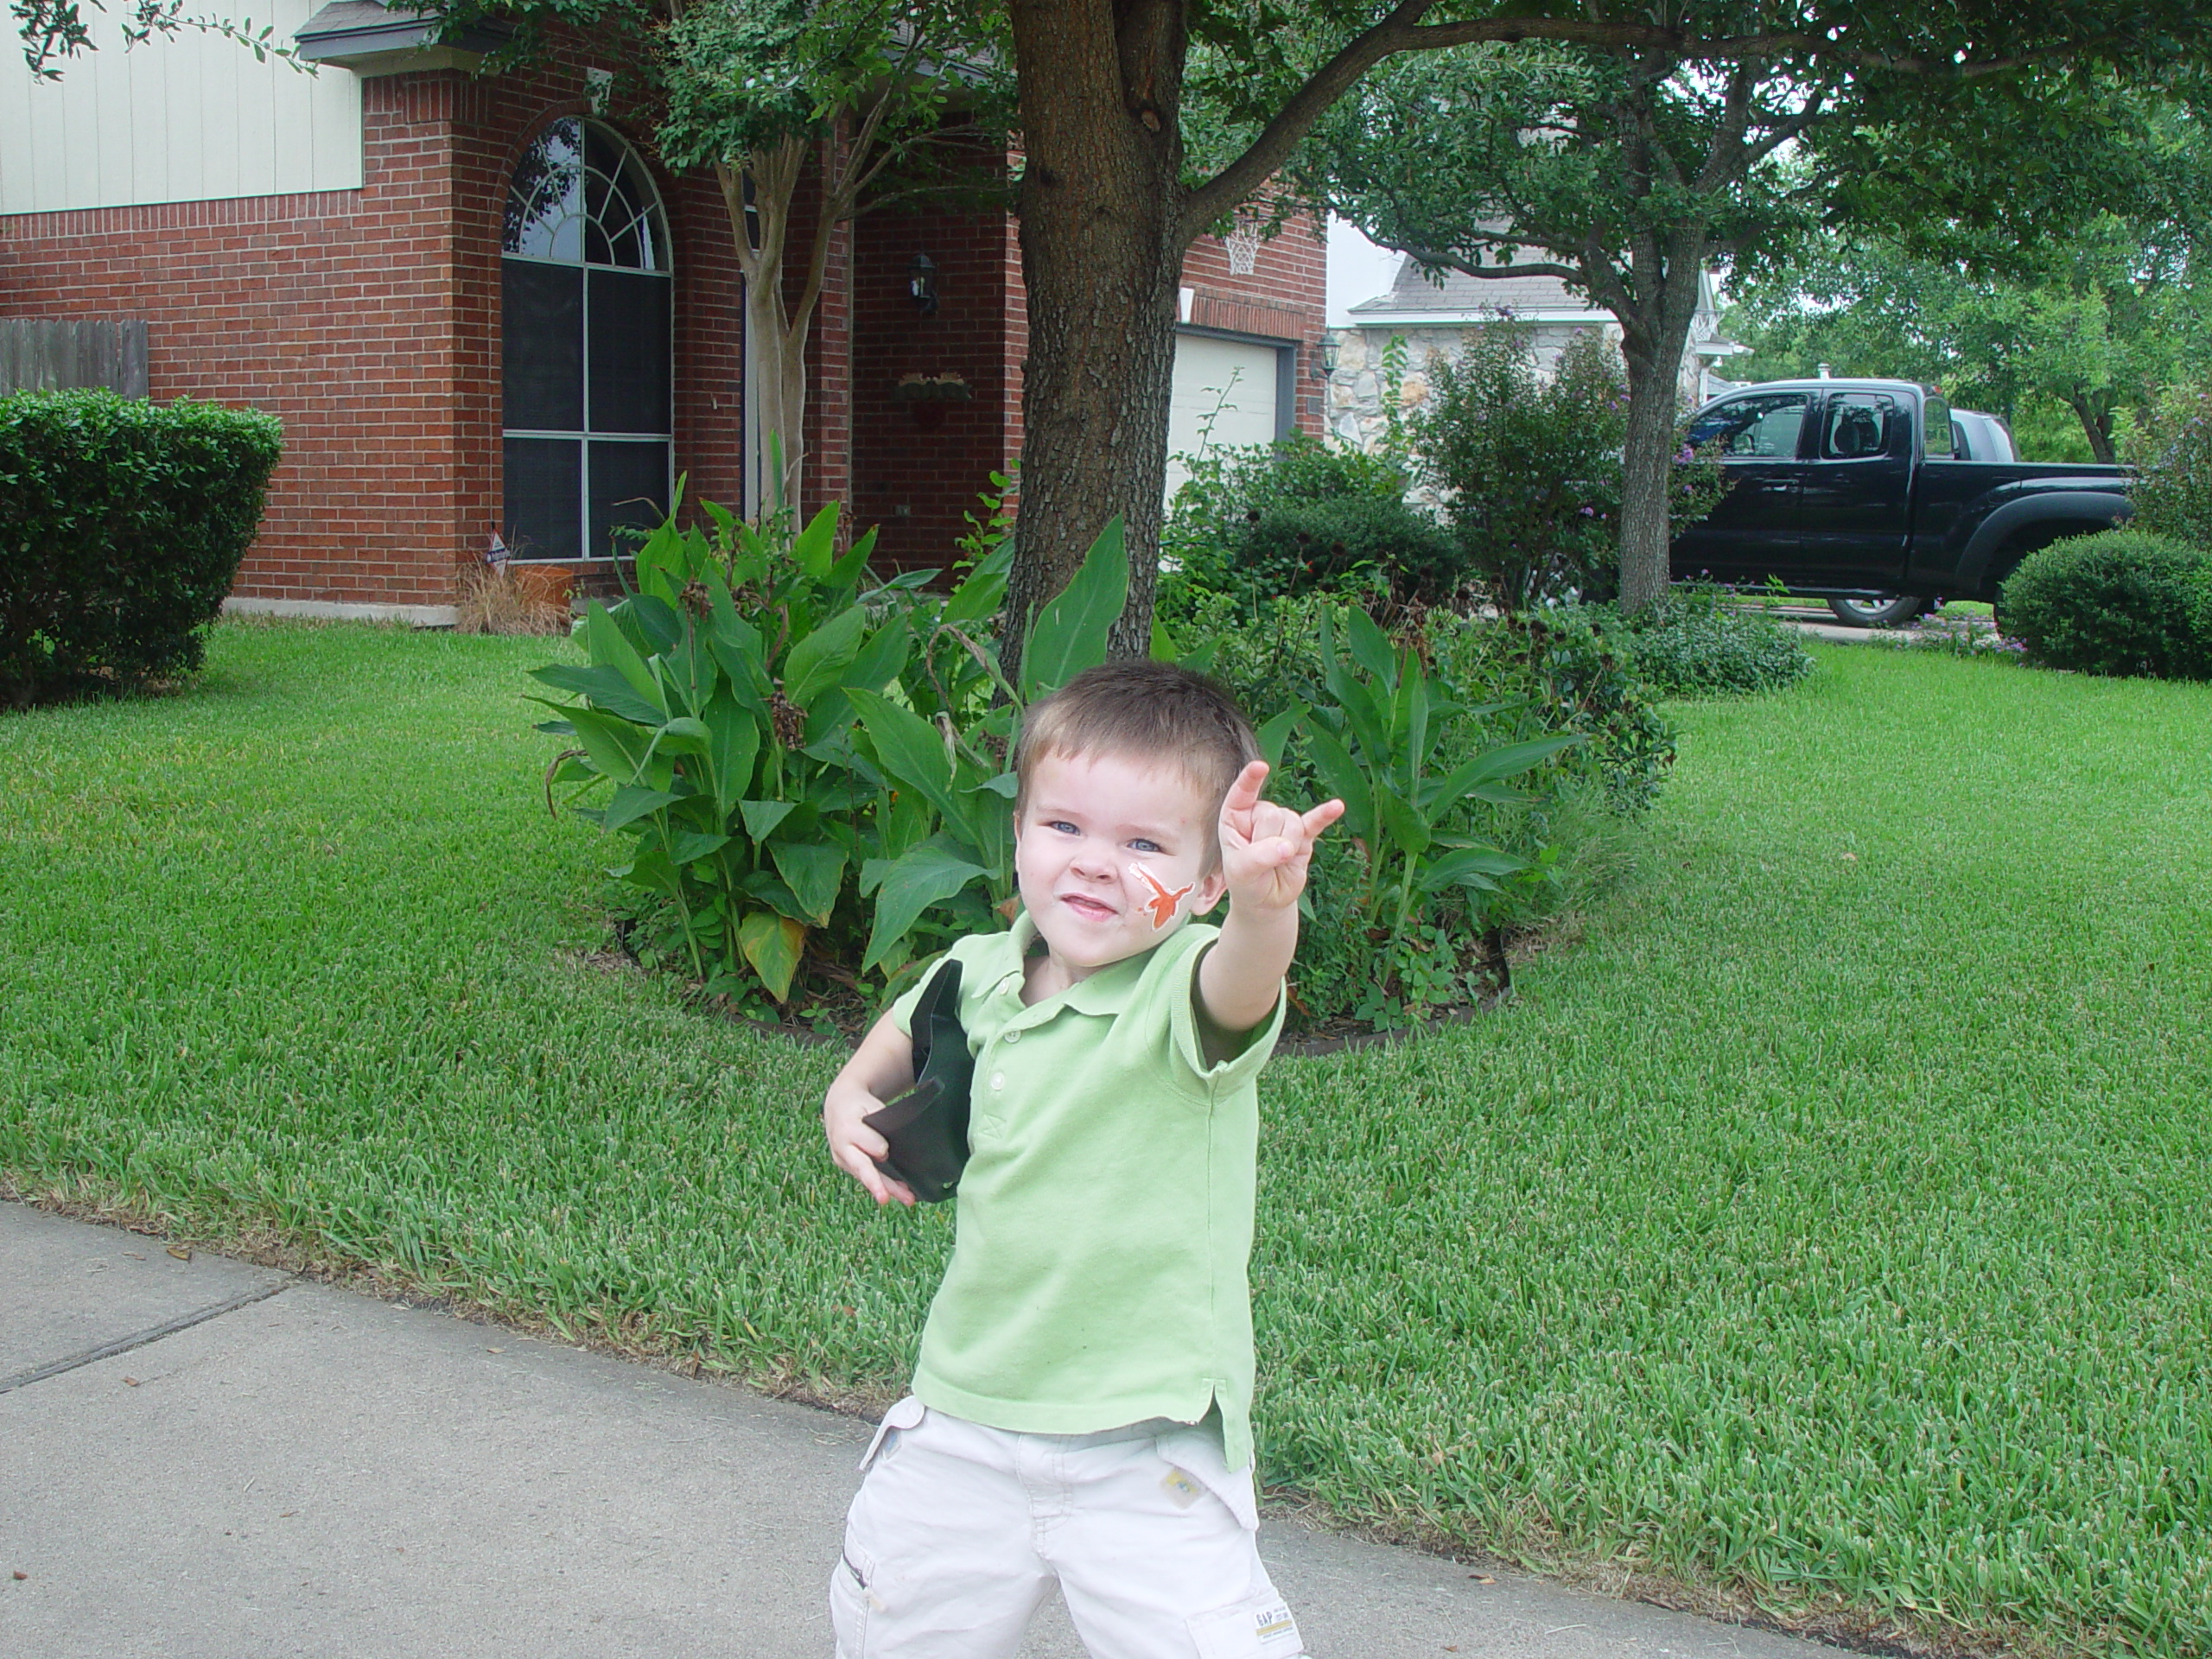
(1163, 904)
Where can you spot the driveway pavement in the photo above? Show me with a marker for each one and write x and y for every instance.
(206, 1459)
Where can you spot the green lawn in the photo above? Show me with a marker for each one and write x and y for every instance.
(1832, 1226)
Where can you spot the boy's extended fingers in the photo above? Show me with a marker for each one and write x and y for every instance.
(1244, 794)
(1322, 817)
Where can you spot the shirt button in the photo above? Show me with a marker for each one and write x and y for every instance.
(998, 1080)
(1014, 1036)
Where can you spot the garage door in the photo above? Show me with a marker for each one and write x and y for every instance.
(1226, 384)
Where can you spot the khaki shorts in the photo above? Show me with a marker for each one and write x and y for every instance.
(959, 1532)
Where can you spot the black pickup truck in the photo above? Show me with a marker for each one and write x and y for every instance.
(1862, 492)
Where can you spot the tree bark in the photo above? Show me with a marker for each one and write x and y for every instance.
(2096, 422)
(1102, 255)
(1654, 332)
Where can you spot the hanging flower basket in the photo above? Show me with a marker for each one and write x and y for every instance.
(946, 388)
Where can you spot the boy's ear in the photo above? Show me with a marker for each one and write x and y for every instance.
(1212, 889)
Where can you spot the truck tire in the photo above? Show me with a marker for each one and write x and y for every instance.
(1876, 613)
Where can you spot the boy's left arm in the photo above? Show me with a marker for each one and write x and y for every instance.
(1265, 849)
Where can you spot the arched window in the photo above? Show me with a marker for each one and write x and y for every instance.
(586, 354)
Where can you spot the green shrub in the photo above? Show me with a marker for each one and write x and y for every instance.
(1531, 465)
(121, 525)
(1569, 822)
(2173, 492)
(2122, 601)
(1694, 644)
(1296, 517)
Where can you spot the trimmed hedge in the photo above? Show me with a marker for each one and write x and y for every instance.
(2120, 602)
(121, 525)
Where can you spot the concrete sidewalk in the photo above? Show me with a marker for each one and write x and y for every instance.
(206, 1459)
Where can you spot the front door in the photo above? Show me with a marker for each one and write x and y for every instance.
(1757, 531)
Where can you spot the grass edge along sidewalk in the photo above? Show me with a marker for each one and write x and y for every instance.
(1828, 1232)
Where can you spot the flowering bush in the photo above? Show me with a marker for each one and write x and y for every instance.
(2173, 492)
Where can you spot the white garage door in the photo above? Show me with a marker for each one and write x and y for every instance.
(1224, 395)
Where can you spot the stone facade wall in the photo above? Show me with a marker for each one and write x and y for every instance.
(1356, 390)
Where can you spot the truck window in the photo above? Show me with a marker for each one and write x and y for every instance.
(1858, 425)
(1942, 439)
(1761, 427)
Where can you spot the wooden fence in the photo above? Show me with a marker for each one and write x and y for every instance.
(39, 353)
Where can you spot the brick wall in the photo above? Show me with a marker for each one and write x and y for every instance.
(917, 468)
(368, 323)
(1285, 297)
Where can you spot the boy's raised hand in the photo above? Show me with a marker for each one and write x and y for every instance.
(1265, 848)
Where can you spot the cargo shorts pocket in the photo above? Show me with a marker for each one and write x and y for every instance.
(849, 1605)
(1258, 1628)
(907, 1413)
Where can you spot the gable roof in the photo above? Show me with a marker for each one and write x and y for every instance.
(1417, 300)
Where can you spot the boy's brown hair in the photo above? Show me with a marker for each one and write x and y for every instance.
(1144, 711)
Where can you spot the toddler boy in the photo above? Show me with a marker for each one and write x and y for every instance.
(1081, 1408)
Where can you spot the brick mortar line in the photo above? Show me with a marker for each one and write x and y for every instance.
(124, 1344)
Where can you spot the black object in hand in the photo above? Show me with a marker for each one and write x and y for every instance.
(928, 1125)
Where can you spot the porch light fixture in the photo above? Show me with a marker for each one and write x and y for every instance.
(1324, 356)
(921, 283)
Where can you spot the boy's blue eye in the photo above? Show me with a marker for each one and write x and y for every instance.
(1141, 845)
(1062, 825)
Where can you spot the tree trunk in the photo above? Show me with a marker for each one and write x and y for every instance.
(2096, 421)
(1654, 335)
(1102, 255)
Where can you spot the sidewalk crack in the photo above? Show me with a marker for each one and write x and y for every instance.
(124, 1344)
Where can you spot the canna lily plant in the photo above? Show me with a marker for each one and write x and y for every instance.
(1373, 738)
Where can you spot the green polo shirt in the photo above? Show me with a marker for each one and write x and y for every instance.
(1104, 1219)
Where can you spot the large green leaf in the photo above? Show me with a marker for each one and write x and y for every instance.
(771, 944)
(813, 548)
(606, 688)
(733, 747)
(1070, 633)
(688, 846)
(1490, 765)
(631, 803)
(817, 663)
(911, 750)
(1469, 867)
(1342, 776)
(980, 591)
(846, 572)
(761, 817)
(880, 660)
(606, 643)
(813, 870)
(1276, 733)
(1410, 831)
(929, 874)
(1370, 648)
(615, 746)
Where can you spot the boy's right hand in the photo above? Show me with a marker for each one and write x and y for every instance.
(854, 1146)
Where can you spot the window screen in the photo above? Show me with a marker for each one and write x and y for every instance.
(541, 361)
(629, 486)
(545, 484)
(629, 352)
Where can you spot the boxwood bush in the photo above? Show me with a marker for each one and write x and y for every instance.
(121, 525)
(2121, 602)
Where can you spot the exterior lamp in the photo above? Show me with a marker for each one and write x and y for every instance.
(1325, 356)
(921, 283)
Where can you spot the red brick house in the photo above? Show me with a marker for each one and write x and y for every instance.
(481, 307)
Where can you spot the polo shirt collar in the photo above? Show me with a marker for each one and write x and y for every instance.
(1106, 992)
